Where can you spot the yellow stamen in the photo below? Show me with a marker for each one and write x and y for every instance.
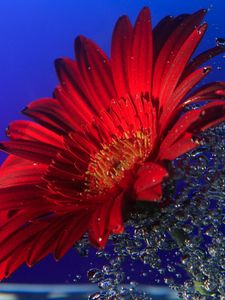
(107, 167)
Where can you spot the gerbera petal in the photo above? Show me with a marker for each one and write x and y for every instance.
(24, 181)
(151, 194)
(27, 130)
(211, 114)
(140, 63)
(19, 237)
(181, 91)
(107, 219)
(12, 263)
(120, 53)
(208, 91)
(15, 243)
(54, 173)
(46, 240)
(213, 91)
(174, 72)
(78, 118)
(179, 139)
(87, 145)
(202, 58)
(177, 149)
(115, 224)
(27, 196)
(193, 121)
(18, 220)
(147, 185)
(24, 171)
(96, 72)
(50, 114)
(162, 31)
(181, 127)
(22, 241)
(72, 93)
(98, 232)
(3, 217)
(71, 161)
(31, 150)
(75, 227)
(173, 44)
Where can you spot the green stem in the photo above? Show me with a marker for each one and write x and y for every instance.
(199, 288)
(179, 237)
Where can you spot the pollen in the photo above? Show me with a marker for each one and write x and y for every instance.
(108, 166)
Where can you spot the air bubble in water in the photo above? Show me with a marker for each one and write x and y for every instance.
(220, 42)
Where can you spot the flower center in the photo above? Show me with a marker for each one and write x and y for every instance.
(107, 167)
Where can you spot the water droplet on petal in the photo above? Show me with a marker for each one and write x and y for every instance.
(206, 70)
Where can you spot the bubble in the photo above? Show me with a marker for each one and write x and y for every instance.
(220, 42)
(94, 275)
(95, 296)
(170, 268)
(106, 284)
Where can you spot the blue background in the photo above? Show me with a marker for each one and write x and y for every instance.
(35, 32)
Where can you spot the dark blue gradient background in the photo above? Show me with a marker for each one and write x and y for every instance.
(35, 32)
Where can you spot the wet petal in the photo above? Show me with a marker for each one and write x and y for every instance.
(147, 186)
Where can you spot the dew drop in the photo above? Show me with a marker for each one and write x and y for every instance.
(206, 70)
(7, 131)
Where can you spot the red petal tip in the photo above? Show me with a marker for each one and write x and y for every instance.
(144, 14)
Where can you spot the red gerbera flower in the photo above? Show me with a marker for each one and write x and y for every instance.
(104, 141)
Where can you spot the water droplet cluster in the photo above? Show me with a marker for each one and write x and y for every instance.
(183, 243)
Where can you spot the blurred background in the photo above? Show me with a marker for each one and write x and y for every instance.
(33, 33)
